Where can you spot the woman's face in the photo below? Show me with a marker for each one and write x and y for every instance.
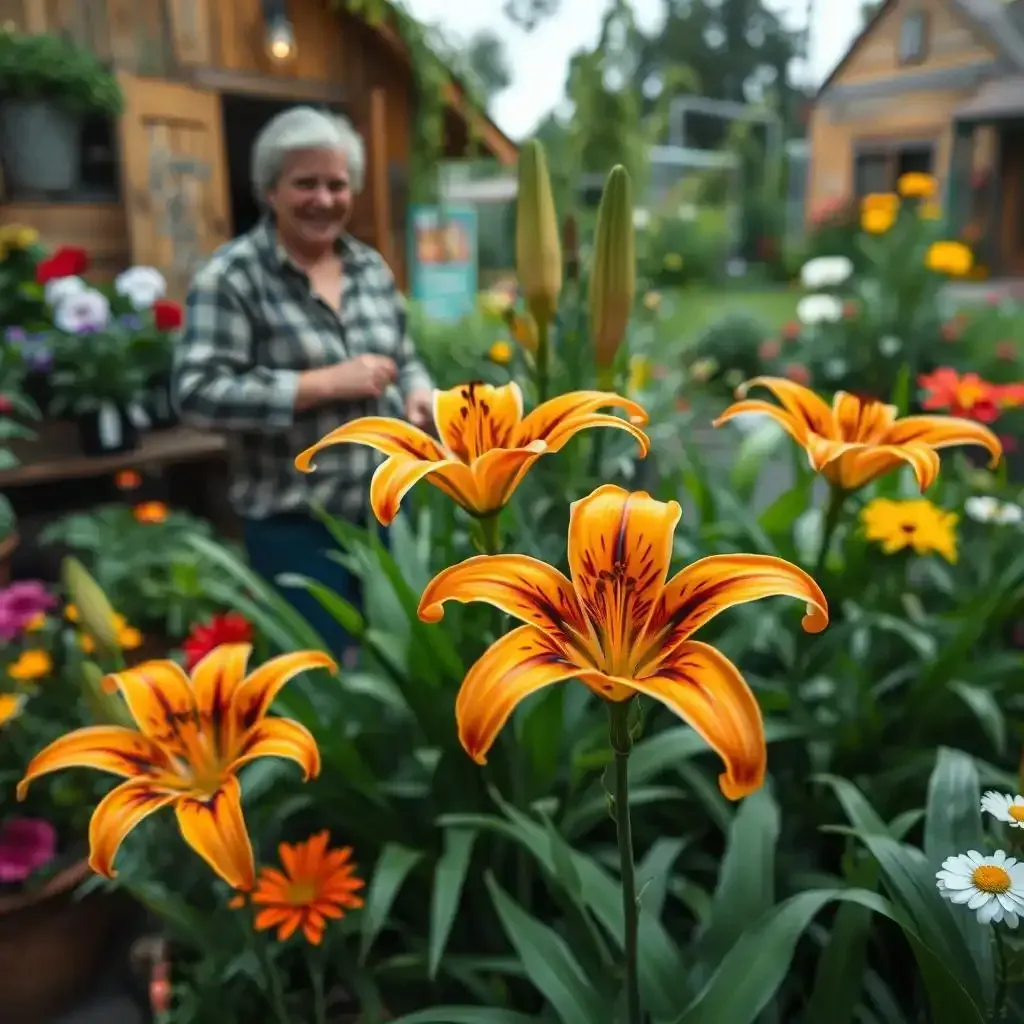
(312, 200)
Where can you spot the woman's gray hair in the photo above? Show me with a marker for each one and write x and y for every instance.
(304, 128)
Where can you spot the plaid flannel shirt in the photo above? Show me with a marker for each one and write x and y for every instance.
(252, 326)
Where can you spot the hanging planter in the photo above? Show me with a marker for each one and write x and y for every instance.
(48, 85)
(107, 430)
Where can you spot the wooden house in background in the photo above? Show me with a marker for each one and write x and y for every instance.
(170, 182)
(935, 86)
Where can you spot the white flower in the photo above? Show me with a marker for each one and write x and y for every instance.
(825, 272)
(835, 368)
(88, 310)
(889, 345)
(1009, 809)
(993, 886)
(983, 508)
(819, 309)
(57, 290)
(141, 286)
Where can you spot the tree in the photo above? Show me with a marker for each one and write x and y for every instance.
(528, 14)
(488, 63)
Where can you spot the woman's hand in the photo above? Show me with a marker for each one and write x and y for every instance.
(419, 409)
(366, 376)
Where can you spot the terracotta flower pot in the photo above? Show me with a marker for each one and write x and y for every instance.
(51, 946)
(7, 548)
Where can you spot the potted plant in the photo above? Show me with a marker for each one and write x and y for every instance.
(97, 374)
(53, 935)
(47, 84)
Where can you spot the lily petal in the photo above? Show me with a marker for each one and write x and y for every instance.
(476, 417)
(861, 419)
(160, 698)
(254, 695)
(755, 406)
(392, 480)
(498, 472)
(525, 588)
(706, 690)
(550, 420)
(620, 547)
(214, 827)
(10, 706)
(520, 663)
(214, 681)
(388, 436)
(809, 411)
(696, 594)
(280, 737)
(116, 815)
(107, 748)
(944, 432)
(571, 427)
(858, 466)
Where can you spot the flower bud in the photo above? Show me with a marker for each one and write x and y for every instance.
(94, 610)
(613, 275)
(106, 708)
(538, 249)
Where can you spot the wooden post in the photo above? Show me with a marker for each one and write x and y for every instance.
(378, 170)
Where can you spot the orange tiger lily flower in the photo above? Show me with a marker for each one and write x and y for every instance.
(193, 736)
(856, 440)
(486, 445)
(621, 626)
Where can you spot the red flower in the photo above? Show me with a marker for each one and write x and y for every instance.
(67, 261)
(1010, 396)
(167, 315)
(1006, 351)
(797, 373)
(791, 331)
(769, 349)
(6, 405)
(968, 396)
(230, 628)
(850, 309)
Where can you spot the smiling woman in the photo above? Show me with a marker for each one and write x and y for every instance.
(292, 329)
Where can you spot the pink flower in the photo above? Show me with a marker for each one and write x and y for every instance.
(26, 845)
(20, 603)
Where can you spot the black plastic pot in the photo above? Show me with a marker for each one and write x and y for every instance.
(107, 430)
(158, 403)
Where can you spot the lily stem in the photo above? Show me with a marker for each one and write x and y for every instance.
(542, 360)
(833, 513)
(273, 978)
(621, 744)
(316, 977)
(999, 1003)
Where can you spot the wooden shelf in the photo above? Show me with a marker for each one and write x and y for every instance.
(178, 444)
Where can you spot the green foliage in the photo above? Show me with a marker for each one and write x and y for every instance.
(677, 250)
(50, 67)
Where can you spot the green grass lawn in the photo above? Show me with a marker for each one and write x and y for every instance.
(688, 311)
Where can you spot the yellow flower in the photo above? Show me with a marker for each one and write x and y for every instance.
(193, 735)
(888, 201)
(31, 665)
(36, 623)
(128, 637)
(652, 300)
(10, 706)
(500, 352)
(952, 258)
(672, 261)
(485, 444)
(621, 626)
(18, 236)
(930, 211)
(917, 186)
(496, 302)
(916, 524)
(639, 374)
(71, 613)
(877, 221)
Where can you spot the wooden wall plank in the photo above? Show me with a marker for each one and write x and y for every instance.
(190, 28)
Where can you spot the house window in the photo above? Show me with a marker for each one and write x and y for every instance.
(913, 37)
(878, 168)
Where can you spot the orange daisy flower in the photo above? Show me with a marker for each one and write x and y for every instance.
(150, 512)
(316, 883)
(128, 480)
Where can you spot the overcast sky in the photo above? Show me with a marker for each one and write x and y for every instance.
(540, 58)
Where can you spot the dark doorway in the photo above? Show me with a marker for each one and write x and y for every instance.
(243, 117)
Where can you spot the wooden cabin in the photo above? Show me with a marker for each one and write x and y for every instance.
(934, 86)
(169, 183)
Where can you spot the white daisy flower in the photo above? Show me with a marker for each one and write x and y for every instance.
(60, 288)
(993, 887)
(983, 508)
(819, 309)
(825, 272)
(1007, 808)
(141, 286)
(889, 345)
(84, 311)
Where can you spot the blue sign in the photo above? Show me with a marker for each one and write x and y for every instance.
(443, 260)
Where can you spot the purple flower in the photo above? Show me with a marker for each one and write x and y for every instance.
(130, 322)
(26, 845)
(20, 603)
(15, 335)
(39, 359)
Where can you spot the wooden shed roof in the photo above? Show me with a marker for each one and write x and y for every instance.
(990, 19)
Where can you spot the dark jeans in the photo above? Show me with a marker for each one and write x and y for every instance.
(298, 544)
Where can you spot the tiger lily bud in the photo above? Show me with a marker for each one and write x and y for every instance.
(106, 708)
(523, 330)
(95, 612)
(538, 249)
(613, 275)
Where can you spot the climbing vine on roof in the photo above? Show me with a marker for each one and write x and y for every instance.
(431, 75)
